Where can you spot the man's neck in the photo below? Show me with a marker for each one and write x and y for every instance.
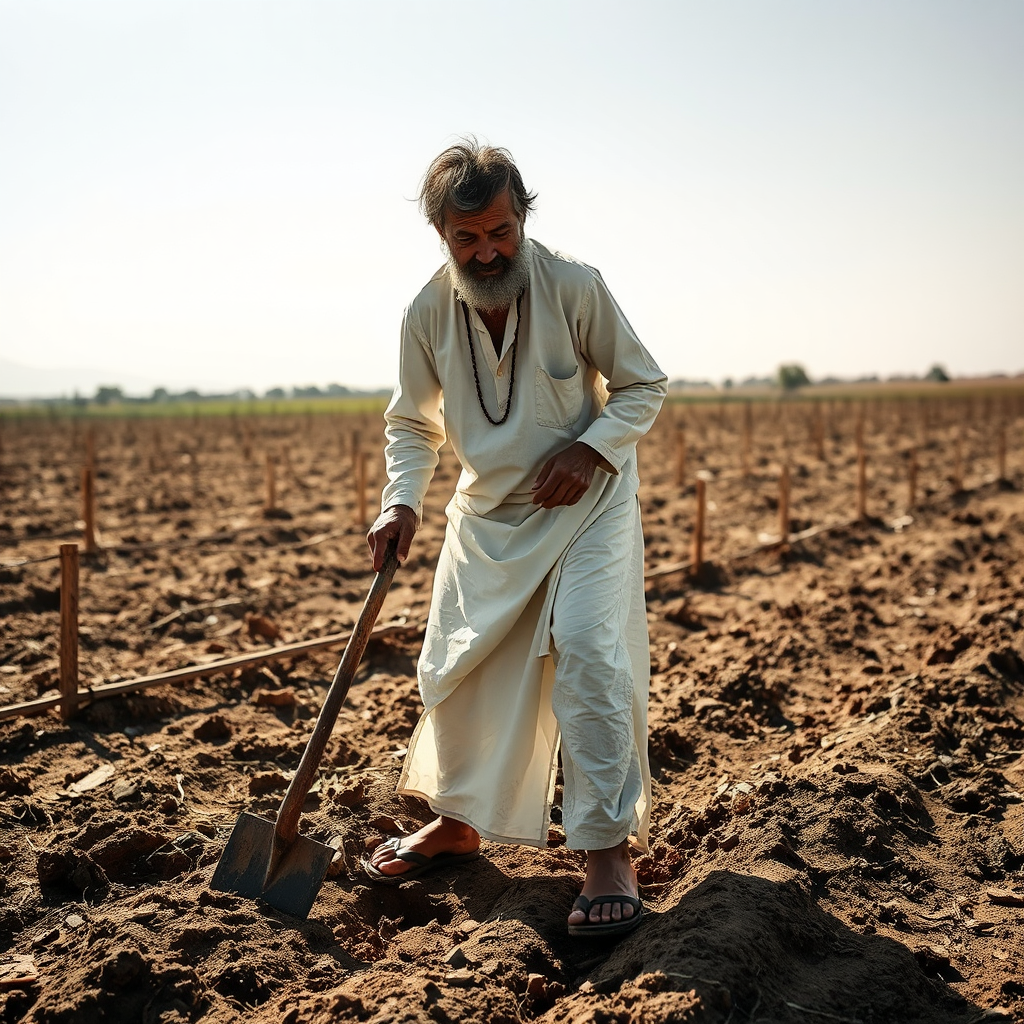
(495, 320)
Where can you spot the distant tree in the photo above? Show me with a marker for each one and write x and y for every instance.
(312, 391)
(727, 383)
(792, 375)
(937, 373)
(275, 393)
(107, 393)
(159, 395)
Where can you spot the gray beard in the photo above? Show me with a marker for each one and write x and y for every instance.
(498, 292)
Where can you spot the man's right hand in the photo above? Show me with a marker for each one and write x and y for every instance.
(397, 521)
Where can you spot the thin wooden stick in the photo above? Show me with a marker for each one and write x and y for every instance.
(784, 524)
(68, 630)
(271, 484)
(361, 488)
(357, 447)
(89, 509)
(748, 430)
(862, 483)
(698, 528)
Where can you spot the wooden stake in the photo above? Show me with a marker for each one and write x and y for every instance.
(357, 447)
(89, 510)
(698, 529)
(271, 484)
(862, 483)
(784, 526)
(90, 448)
(68, 630)
(748, 429)
(361, 488)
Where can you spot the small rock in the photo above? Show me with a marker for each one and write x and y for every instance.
(260, 625)
(352, 796)
(460, 979)
(125, 791)
(467, 927)
(74, 921)
(274, 698)
(456, 958)
(536, 985)
(266, 782)
(1005, 897)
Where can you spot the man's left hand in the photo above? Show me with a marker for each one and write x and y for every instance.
(567, 476)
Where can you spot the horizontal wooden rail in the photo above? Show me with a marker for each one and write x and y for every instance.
(181, 675)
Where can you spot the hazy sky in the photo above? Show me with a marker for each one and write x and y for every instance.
(220, 193)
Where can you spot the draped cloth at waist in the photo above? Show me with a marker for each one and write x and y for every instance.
(488, 757)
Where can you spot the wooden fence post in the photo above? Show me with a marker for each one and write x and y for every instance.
(271, 484)
(361, 488)
(680, 458)
(357, 447)
(68, 630)
(89, 510)
(698, 529)
(784, 523)
(748, 429)
(862, 483)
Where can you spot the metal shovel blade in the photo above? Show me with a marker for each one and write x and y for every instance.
(295, 881)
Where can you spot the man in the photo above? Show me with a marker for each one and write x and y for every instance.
(536, 643)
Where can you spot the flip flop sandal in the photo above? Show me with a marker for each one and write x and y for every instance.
(421, 863)
(606, 928)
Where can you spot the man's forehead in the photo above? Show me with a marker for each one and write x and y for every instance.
(499, 211)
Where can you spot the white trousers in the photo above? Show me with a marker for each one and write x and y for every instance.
(596, 700)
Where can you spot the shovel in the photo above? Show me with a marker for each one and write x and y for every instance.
(269, 860)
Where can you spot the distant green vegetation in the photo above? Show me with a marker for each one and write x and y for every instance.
(215, 406)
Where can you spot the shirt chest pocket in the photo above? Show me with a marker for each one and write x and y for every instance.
(559, 399)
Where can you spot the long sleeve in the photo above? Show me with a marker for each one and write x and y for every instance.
(414, 419)
(636, 384)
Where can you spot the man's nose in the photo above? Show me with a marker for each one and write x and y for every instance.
(486, 252)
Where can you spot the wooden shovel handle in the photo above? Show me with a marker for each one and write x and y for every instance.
(291, 807)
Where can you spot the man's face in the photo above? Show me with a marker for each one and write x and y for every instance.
(484, 244)
(488, 258)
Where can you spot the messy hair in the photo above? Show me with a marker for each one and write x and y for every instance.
(467, 178)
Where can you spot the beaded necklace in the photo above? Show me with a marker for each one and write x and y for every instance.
(512, 376)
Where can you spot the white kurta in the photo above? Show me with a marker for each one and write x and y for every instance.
(492, 763)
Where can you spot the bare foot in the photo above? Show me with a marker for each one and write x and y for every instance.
(443, 835)
(609, 872)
